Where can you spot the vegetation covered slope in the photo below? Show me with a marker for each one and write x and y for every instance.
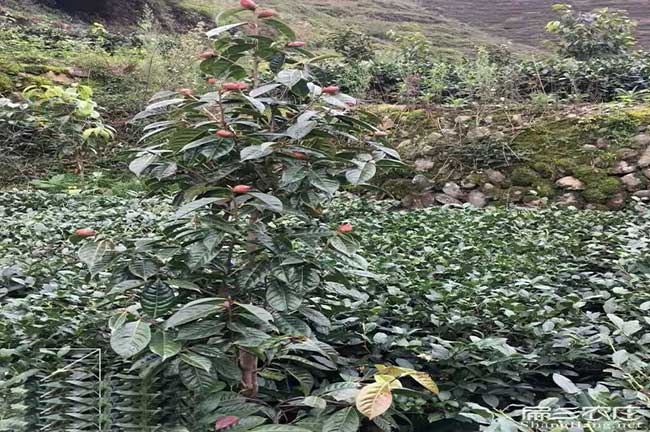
(452, 24)
(523, 21)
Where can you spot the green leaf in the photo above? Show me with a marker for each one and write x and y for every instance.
(364, 171)
(194, 311)
(143, 268)
(140, 164)
(157, 299)
(566, 384)
(131, 338)
(345, 420)
(289, 77)
(197, 361)
(97, 255)
(195, 205)
(256, 151)
(222, 29)
(300, 130)
(282, 299)
(259, 312)
(270, 202)
(163, 345)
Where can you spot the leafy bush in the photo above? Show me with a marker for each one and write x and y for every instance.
(597, 34)
(52, 121)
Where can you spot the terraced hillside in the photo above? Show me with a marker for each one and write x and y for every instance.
(523, 20)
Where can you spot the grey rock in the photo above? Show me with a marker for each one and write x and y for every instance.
(641, 140)
(627, 154)
(644, 161)
(632, 182)
(643, 194)
(478, 133)
(477, 198)
(570, 183)
(624, 167)
(423, 164)
(446, 199)
(421, 200)
(421, 182)
(453, 190)
(569, 200)
(488, 188)
(602, 143)
(495, 177)
(589, 147)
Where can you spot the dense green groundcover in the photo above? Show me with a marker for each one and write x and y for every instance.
(492, 303)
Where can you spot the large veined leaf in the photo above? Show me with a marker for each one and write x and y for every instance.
(97, 255)
(289, 77)
(197, 379)
(304, 377)
(301, 129)
(194, 311)
(197, 361)
(345, 420)
(195, 205)
(131, 338)
(143, 268)
(259, 312)
(164, 345)
(157, 299)
(137, 166)
(364, 171)
(282, 298)
(374, 399)
(256, 151)
(269, 201)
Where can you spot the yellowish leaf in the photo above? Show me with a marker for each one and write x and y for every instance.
(425, 381)
(374, 399)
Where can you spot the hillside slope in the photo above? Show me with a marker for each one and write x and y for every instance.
(452, 25)
(523, 20)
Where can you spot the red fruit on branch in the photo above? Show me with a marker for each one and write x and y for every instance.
(248, 4)
(242, 189)
(212, 80)
(85, 232)
(296, 44)
(266, 13)
(345, 228)
(331, 89)
(224, 133)
(235, 86)
(207, 54)
(185, 92)
(225, 422)
(299, 155)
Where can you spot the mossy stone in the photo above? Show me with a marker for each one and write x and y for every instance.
(524, 176)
